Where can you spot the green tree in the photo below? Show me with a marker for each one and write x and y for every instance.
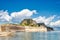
(28, 22)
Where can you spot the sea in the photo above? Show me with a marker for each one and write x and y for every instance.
(51, 35)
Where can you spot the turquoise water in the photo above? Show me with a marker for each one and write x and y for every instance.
(55, 35)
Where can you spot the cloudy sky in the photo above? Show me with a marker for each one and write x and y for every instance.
(42, 11)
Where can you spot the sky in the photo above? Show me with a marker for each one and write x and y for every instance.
(42, 11)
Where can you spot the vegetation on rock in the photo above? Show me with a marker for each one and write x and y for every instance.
(28, 22)
(48, 28)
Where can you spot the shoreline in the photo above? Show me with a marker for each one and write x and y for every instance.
(35, 29)
(31, 29)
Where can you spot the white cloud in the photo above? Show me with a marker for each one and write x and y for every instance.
(43, 19)
(56, 23)
(25, 13)
(4, 16)
(16, 17)
(48, 21)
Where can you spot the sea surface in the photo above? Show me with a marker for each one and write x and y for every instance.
(53, 35)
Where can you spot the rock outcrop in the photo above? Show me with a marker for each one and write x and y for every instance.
(32, 23)
(29, 22)
(48, 28)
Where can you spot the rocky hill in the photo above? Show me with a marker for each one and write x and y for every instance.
(32, 23)
(29, 22)
(48, 28)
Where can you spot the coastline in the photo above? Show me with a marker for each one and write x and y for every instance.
(31, 29)
(4, 34)
(35, 29)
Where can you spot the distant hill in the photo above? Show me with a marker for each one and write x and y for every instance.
(48, 28)
(32, 23)
(28, 22)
